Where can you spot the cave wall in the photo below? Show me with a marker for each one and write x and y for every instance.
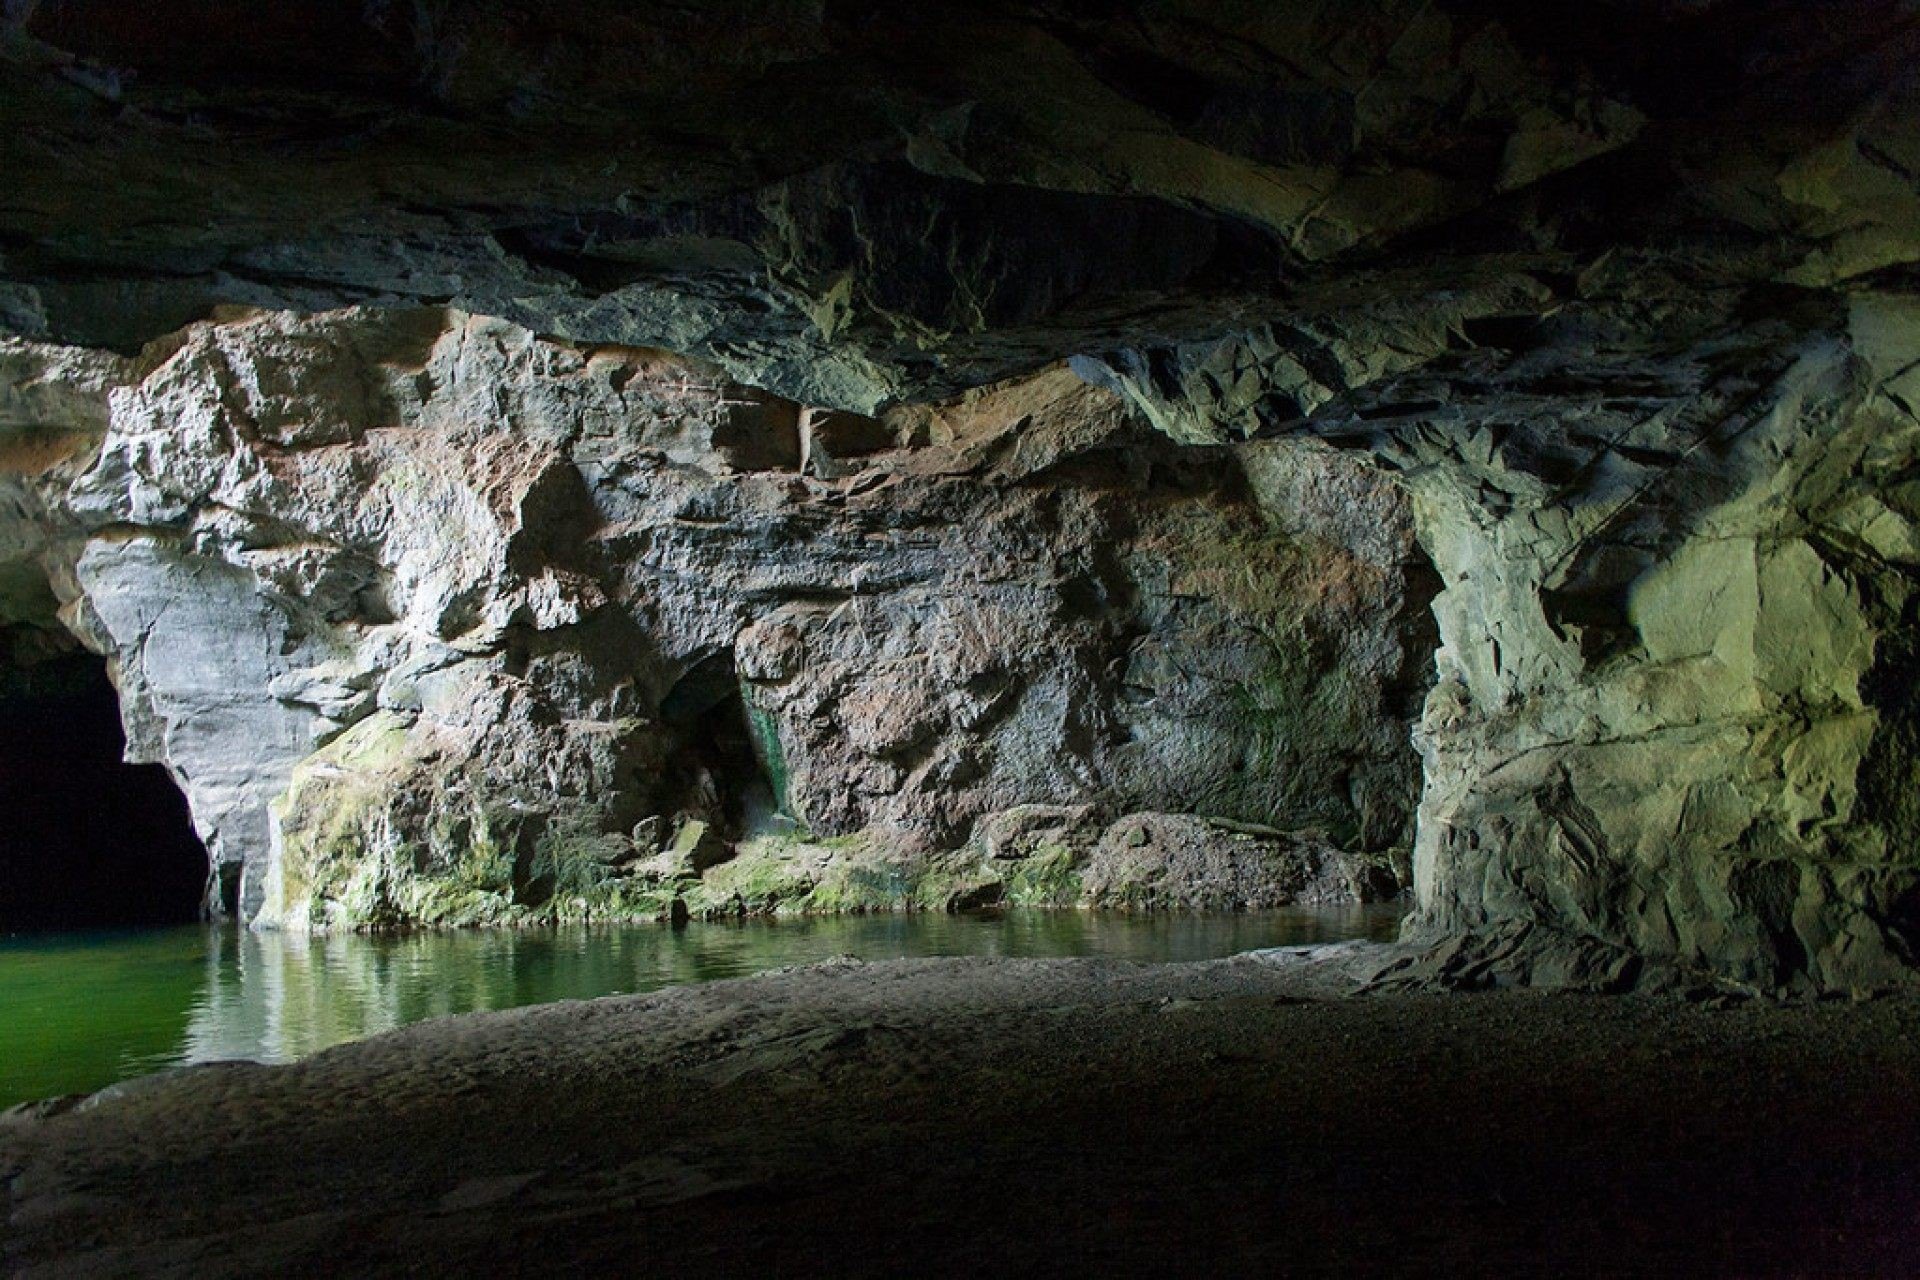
(1674, 701)
(850, 203)
(1617, 294)
(437, 621)
(440, 622)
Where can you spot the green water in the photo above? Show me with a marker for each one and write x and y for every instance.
(80, 1011)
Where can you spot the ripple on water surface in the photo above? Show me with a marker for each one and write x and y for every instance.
(80, 1011)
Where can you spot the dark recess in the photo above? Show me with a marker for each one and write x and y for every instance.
(724, 777)
(87, 841)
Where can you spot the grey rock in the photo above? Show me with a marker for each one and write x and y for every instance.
(460, 640)
(1160, 861)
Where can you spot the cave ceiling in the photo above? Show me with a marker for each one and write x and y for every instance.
(862, 204)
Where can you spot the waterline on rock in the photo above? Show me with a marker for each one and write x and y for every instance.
(82, 1011)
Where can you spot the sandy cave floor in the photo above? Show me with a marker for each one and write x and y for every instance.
(974, 1117)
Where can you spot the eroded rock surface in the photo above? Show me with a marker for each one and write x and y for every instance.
(53, 413)
(1675, 681)
(439, 622)
(1674, 686)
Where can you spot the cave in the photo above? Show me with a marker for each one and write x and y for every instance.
(90, 841)
(726, 767)
(1441, 474)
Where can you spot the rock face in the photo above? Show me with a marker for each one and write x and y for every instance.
(439, 622)
(1675, 699)
(1035, 370)
(53, 413)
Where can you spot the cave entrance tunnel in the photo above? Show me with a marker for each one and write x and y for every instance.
(86, 840)
(730, 765)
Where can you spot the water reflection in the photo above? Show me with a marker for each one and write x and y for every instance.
(80, 1011)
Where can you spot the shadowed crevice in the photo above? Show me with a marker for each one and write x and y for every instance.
(88, 840)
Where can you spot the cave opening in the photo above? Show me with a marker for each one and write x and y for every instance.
(725, 756)
(89, 841)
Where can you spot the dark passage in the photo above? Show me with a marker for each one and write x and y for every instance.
(727, 778)
(86, 841)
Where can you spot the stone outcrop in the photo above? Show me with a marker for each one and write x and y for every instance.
(53, 414)
(437, 622)
(1675, 682)
(1672, 704)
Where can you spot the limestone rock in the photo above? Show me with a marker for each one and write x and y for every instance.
(1671, 707)
(818, 200)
